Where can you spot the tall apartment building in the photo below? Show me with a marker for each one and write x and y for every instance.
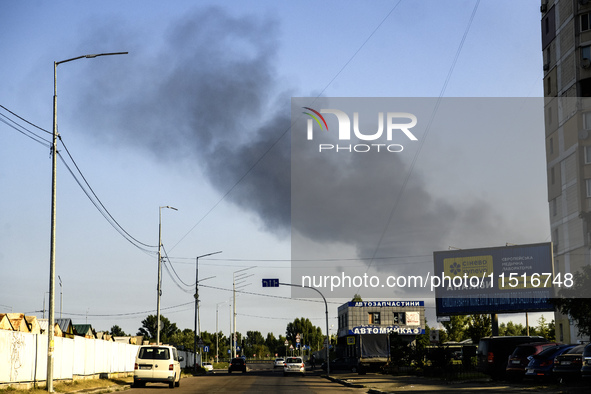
(566, 46)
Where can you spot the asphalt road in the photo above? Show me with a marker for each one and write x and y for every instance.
(261, 378)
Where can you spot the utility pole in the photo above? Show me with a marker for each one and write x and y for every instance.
(55, 135)
(159, 286)
(197, 319)
(241, 278)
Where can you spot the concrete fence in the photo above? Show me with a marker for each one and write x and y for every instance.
(23, 357)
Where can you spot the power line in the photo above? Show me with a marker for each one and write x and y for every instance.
(83, 184)
(102, 208)
(177, 275)
(24, 131)
(24, 120)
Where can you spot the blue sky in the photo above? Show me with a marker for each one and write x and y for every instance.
(126, 120)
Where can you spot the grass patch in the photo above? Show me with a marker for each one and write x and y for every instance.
(72, 386)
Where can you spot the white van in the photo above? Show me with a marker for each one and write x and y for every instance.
(159, 364)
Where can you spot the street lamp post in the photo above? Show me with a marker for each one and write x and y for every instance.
(240, 277)
(159, 271)
(327, 330)
(217, 331)
(197, 320)
(50, 343)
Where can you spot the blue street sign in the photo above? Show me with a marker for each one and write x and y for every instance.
(270, 282)
(206, 349)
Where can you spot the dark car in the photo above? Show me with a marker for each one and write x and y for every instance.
(343, 364)
(541, 364)
(493, 353)
(520, 357)
(586, 368)
(237, 364)
(568, 365)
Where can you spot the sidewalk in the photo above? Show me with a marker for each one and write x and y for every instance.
(378, 384)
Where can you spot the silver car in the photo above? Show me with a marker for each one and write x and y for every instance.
(279, 362)
(294, 365)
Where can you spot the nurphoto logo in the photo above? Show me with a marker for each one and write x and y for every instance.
(393, 127)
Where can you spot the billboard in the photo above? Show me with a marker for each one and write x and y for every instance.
(494, 280)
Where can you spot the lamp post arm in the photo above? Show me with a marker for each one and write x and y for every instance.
(327, 332)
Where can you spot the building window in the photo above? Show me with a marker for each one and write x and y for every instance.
(587, 120)
(552, 176)
(547, 25)
(588, 187)
(587, 150)
(585, 25)
(400, 318)
(374, 318)
(586, 52)
(561, 331)
(551, 145)
(549, 115)
(554, 207)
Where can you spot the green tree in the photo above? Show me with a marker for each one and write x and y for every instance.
(183, 340)
(116, 331)
(572, 301)
(544, 329)
(309, 334)
(272, 343)
(356, 298)
(254, 338)
(511, 329)
(148, 328)
(456, 328)
(478, 326)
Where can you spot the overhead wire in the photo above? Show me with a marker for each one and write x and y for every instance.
(102, 208)
(167, 260)
(83, 184)
(24, 131)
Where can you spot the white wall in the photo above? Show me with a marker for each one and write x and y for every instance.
(23, 357)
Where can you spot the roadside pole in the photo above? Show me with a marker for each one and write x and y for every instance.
(276, 283)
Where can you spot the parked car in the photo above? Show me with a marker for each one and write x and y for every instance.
(541, 364)
(520, 357)
(294, 365)
(207, 366)
(157, 364)
(493, 353)
(279, 363)
(568, 365)
(237, 364)
(586, 368)
(343, 364)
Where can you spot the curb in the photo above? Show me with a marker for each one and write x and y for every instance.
(348, 384)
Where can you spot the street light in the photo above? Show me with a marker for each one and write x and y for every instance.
(50, 344)
(241, 277)
(217, 331)
(327, 330)
(160, 271)
(197, 320)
